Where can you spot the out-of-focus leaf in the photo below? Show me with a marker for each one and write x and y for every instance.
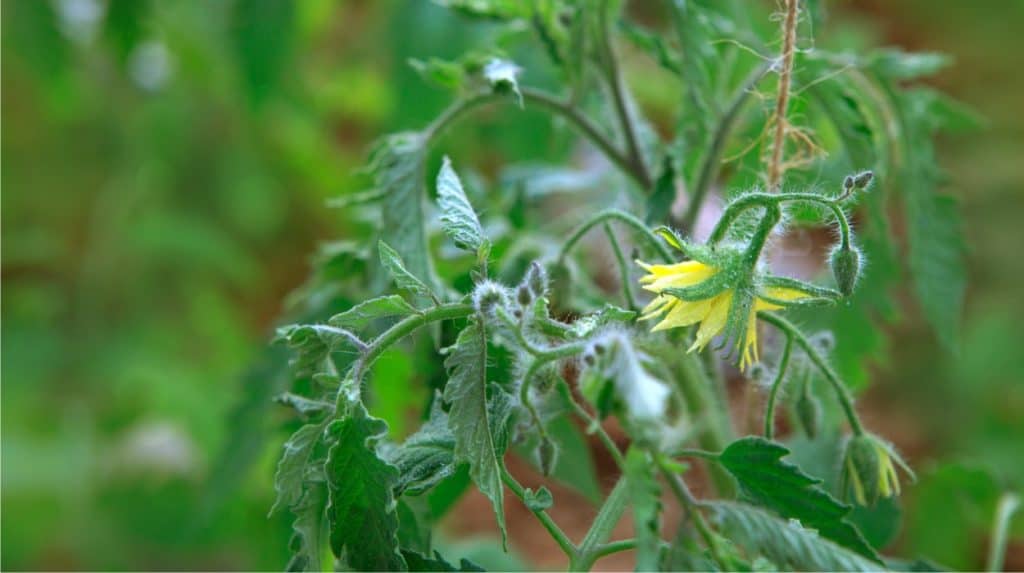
(448, 75)
(765, 479)
(787, 544)
(900, 65)
(264, 33)
(364, 523)
(125, 25)
(659, 204)
(491, 9)
(653, 44)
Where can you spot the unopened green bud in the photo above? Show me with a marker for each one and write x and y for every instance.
(523, 295)
(536, 280)
(863, 179)
(869, 470)
(848, 183)
(845, 263)
(547, 455)
(488, 297)
(808, 412)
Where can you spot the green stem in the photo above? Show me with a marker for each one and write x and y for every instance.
(556, 532)
(405, 327)
(842, 393)
(593, 425)
(613, 547)
(618, 90)
(767, 200)
(553, 104)
(769, 412)
(623, 217)
(608, 517)
(702, 404)
(1008, 505)
(692, 453)
(710, 165)
(692, 506)
(627, 288)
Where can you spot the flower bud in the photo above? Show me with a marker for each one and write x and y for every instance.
(869, 470)
(863, 179)
(845, 263)
(523, 295)
(808, 412)
(547, 455)
(536, 280)
(488, 297)
(848, 183)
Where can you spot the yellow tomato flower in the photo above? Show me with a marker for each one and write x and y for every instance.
(713, 312)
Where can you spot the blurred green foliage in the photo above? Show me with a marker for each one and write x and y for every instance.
(166, 167)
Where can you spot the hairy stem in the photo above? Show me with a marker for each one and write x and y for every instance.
(686, 499)
(405, 327)
(627, 288)
(593, 545)
(623, 217)
(553, 104)
(775, 167)
(842, 393)
(769, 411)
(549, 524)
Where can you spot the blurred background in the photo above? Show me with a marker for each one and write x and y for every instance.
(165, 172)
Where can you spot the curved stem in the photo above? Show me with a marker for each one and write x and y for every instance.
(556, 532)
(601, 528)
(405, 327)
(710, 165)
(627, 289)
(621, 216)
(769, 412)
(692, 506)
(692, 453)
(614, 547)
(593, 424)
(618, 90)
(553, 104)
(842, 393)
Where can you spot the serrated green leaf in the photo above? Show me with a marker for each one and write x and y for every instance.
(787, 544)
(645, 497)
(477, 418)
(291, 468)
(404, 279)
(363, 313)
(307, 539)
(418, 562)
(458, 218)
(364, 522)
(426, 457)
(538, 500)
(397, 163)
(765, 479)
(312, 343)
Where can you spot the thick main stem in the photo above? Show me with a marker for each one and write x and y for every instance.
(775, 167)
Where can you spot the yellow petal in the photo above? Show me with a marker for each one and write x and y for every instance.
(673, 269)
(657, 307)
(685, 313)
(658, 283)
(750, 344)
(785, 293)
(714, 321)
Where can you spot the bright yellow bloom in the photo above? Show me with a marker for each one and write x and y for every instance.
(712, 313)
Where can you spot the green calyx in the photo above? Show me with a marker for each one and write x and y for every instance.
(869, 470)
(845, 261)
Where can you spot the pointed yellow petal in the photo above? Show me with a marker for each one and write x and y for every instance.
(685, 313)
(761, 304)
(785, 293)
(714, 321)
(750, 344)
(656, 307)
(674, 269)
(658, 283)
